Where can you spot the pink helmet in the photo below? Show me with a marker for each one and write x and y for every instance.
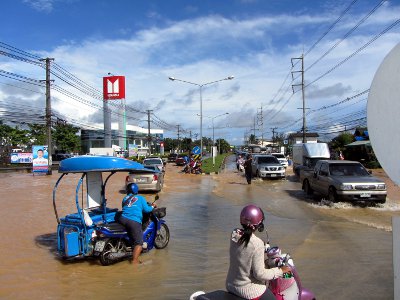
(251, 215)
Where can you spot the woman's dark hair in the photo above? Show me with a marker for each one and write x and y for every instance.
(245, 238)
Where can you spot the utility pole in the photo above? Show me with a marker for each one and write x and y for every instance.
(260, 124)
(148, 132)
(48, 114)
(304, 128)
(273, 136)
(254, 129)
(179, 141)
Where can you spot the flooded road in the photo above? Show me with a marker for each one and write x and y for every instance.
(340, 252)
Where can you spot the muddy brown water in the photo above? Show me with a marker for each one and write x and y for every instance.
(341, 252)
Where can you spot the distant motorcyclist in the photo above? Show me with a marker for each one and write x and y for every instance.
(239, 163)
(247, 276)
(133, 207)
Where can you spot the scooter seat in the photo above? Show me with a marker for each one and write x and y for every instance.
(114, 228)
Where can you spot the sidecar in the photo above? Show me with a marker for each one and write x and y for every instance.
(76, 231)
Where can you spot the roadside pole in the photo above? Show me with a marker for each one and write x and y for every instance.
(48, 115)
(396, 256)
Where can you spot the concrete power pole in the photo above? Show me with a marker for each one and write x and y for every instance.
(148, 132)
(48, 114)
(273, 136)
(304, 128)
(179, 141)
(260, 124)
(254, 129)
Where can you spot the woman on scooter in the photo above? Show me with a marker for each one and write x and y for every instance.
(133, 207)
(247, 276)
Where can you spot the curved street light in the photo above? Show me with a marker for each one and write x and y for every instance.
(201, 102)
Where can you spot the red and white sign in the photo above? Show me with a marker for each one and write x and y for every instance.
(114, 87)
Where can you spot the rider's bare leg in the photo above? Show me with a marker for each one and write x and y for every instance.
(136, 253)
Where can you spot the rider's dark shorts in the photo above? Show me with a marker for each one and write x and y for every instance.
(134, 230)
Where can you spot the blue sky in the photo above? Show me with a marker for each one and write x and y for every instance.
(201, 42)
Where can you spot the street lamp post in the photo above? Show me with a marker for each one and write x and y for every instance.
(212, 120)
(201, 103)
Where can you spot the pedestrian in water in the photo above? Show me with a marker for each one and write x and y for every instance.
(247, 276)
(247, 168)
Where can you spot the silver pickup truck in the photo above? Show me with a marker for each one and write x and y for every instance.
(343, 180)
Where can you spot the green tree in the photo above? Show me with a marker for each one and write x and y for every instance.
(65, 137)
(252, 139)
(223, 146)
(339, 142)
(38, 134)
(170, 144)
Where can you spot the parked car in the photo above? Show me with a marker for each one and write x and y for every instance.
(267, 166)
(60, 156)
(343, 180)
(180, 160)
(282, 159)
(172, 157)
(146, 181)
(154, 161)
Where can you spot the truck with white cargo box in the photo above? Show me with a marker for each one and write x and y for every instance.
(306, 155)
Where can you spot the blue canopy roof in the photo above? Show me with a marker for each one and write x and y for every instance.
(90, 163)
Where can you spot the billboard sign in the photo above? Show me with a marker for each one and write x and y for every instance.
(40, 162)
(114, 87)
(21, 158)
(133, 150)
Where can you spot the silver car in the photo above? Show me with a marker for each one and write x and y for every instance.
(154, 161)
(147, 181)
(267, 166)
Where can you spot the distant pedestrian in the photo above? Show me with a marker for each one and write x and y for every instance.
(247, 168)
(341, 157)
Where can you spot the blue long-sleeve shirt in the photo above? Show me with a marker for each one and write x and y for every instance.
(133, 207)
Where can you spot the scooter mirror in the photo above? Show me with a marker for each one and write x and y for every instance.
(156, 197)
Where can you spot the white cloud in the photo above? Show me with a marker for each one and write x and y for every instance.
(41, 5)
(257, 51)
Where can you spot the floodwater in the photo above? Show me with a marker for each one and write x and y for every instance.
(341, 251)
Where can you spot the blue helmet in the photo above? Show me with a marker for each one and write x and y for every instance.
(132, 188)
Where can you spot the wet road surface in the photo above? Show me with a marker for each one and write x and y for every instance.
(340, 252)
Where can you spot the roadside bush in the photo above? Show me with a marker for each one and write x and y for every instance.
(373, 165)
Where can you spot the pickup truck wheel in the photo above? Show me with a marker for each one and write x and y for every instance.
(332, 196)
(381, 201)
(307, 188)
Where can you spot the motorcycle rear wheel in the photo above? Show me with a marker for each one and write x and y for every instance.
(162, 238)
(111, 246)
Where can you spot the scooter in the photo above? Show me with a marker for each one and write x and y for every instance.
(112, 243)
(288, 287)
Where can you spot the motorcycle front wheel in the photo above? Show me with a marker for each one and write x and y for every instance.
(162, 237)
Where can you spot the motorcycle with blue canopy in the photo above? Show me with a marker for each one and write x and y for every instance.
(93, 230)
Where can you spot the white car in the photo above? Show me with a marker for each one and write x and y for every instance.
(282, 159)
(154, 161)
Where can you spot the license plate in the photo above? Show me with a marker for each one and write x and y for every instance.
(99, 246)
(365, 195)
(141, 180)
(273, 175)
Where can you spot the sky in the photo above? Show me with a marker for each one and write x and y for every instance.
(261, 43)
